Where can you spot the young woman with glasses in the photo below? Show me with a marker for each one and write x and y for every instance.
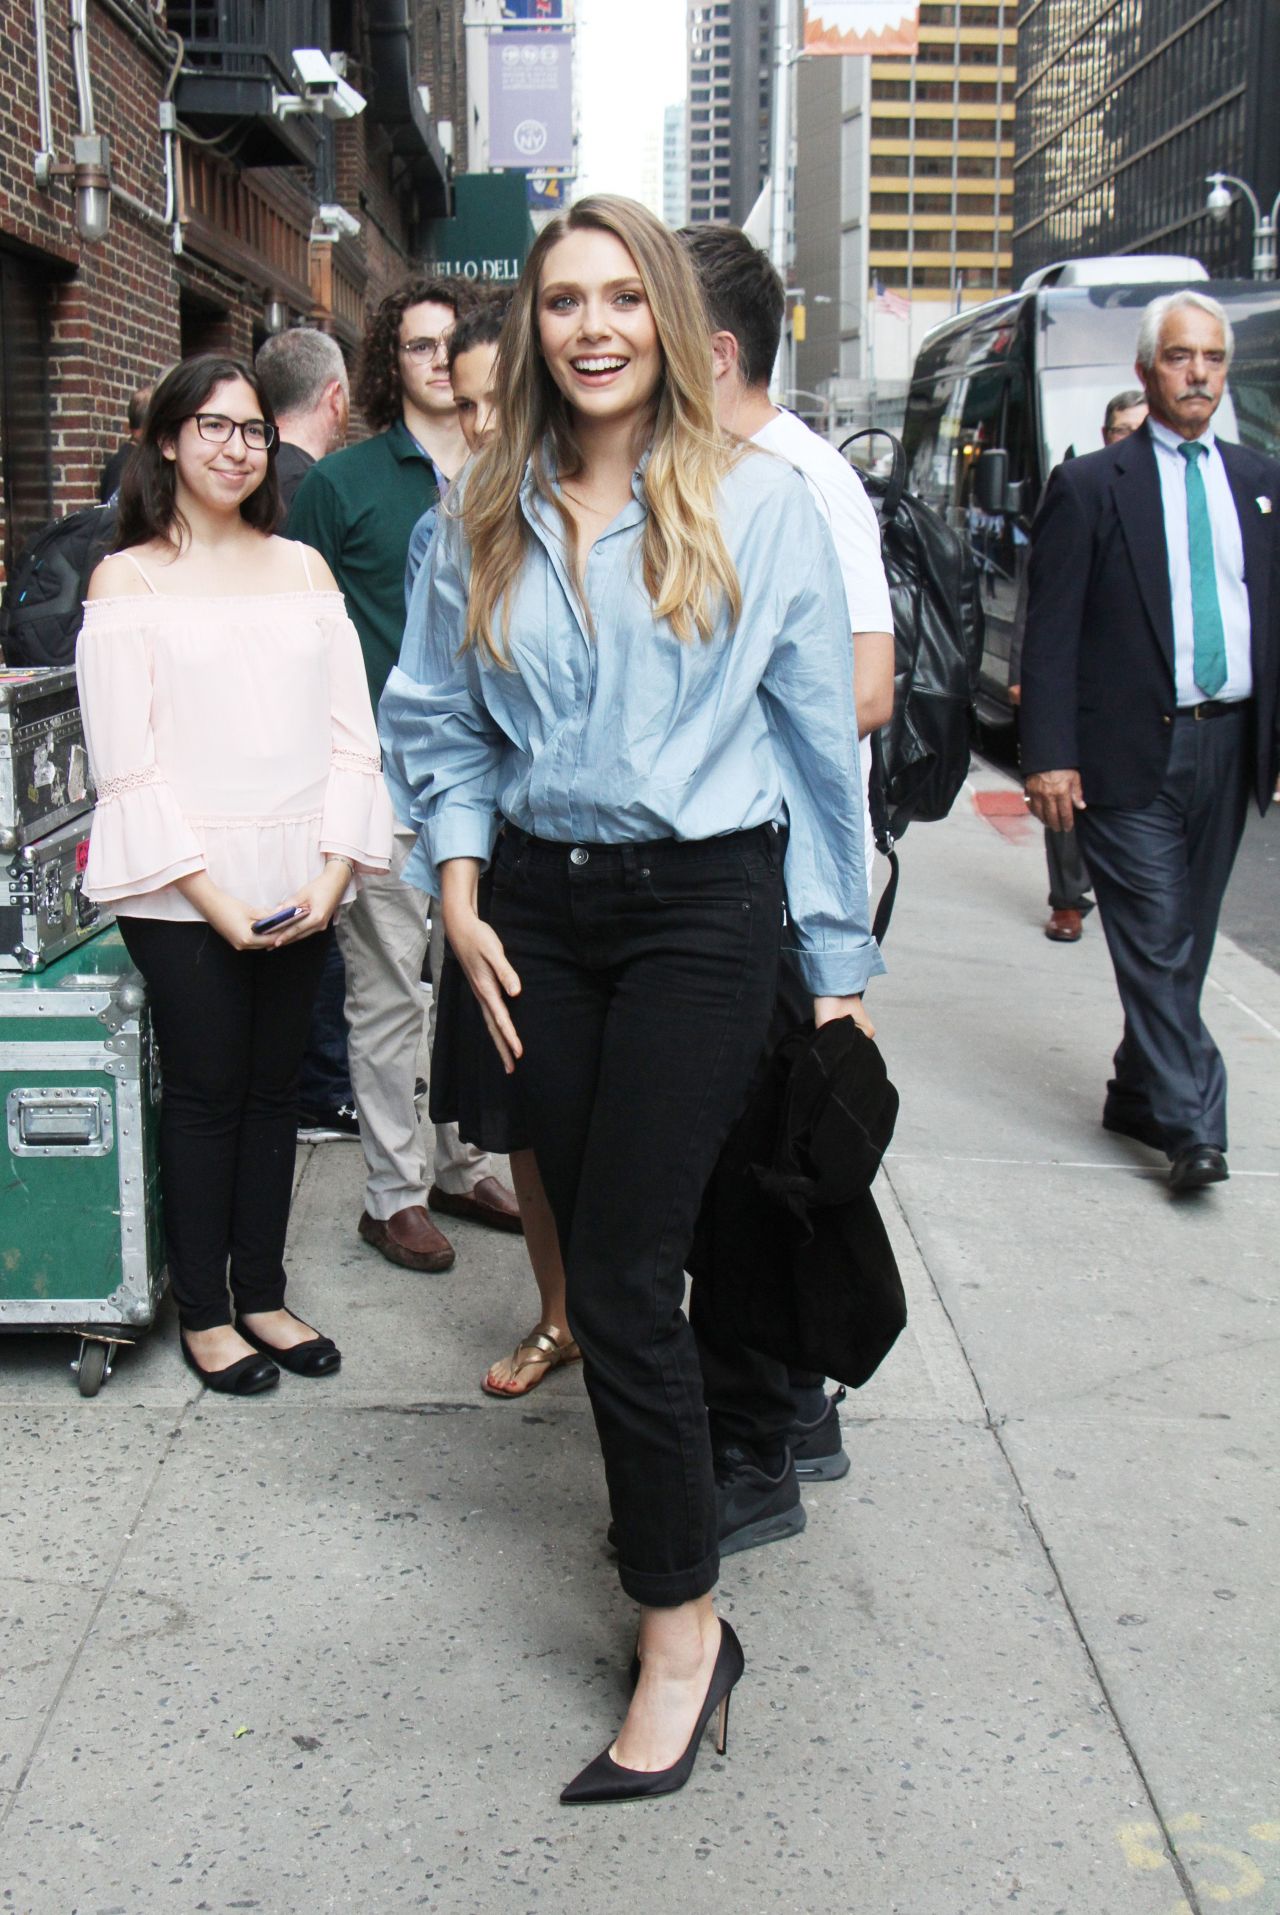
(239, 793)
(638, 664)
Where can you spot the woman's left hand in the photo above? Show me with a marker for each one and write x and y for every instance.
(320, 899)
(826, 1009)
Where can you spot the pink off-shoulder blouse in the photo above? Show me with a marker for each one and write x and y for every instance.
(228, 735)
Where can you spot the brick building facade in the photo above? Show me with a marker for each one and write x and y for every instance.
(84, 322)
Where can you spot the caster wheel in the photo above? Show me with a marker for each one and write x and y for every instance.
(92, 1368)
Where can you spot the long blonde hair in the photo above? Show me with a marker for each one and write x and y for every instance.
(687, 570)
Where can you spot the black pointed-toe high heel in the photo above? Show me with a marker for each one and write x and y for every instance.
(605, 1780)
(318, 1356)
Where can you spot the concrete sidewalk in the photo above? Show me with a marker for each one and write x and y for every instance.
(338, 1648)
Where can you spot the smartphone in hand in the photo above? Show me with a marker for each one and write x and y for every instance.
(261, 926)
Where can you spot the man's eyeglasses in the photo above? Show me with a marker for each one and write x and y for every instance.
(425, 348)
(218, 430)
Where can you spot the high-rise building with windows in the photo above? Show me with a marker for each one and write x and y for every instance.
(904, 183)
(1122, 112)
(675, 164)
(730, 90)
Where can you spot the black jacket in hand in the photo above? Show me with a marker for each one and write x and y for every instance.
(789, 1232)
(1098, 688)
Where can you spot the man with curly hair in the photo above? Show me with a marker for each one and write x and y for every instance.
(359, 507)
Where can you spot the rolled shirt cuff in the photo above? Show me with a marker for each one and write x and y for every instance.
(845, 973)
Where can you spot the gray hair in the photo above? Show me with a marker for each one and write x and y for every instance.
(296, 366)
(1123, 402)
(1158, 311)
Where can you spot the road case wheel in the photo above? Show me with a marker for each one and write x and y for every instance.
(92, 1368)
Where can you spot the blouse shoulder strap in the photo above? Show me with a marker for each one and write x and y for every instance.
(138, 569)
(306, 567)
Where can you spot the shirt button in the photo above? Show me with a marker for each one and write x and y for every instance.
(578, 855)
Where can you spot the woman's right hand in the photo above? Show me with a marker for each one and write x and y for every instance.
(478, 949)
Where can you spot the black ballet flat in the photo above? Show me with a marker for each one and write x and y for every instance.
(318, 1357)
(605, 1780)
(248, 1377)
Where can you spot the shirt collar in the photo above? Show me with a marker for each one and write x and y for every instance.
(1172, 440)
(404, 446)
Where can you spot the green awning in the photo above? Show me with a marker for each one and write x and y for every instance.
(490, 234)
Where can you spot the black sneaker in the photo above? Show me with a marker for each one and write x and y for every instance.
(329, 1127)
(754, 1507)
(816, 1448)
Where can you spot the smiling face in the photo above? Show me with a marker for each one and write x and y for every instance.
(219, 476)
(472, 378)
(423, 357)
(1184, 385)
(596, 328)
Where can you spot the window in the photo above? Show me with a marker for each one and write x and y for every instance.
(26, 454)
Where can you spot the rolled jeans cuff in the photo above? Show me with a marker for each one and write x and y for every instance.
(670, 1590)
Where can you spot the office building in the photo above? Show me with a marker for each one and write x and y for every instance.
(1121, 113)
(730, 87)
(903, 182)
(675, 179)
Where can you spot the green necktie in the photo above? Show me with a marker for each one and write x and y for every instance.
(1206, 613)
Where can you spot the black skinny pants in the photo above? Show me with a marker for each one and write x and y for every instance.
(231, 1026)
(648, 975)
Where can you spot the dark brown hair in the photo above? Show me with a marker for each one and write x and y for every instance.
(377, 387)
(148, 490)
(481, 326)
(743, 294)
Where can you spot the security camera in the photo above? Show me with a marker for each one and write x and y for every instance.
(336, 219)
(314, 72)
(344, 103)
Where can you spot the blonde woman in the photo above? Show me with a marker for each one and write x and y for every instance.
(627, 682)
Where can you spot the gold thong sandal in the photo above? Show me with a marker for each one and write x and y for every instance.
(539, 1351)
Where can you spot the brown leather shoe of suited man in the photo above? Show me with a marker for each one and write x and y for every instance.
(409, 1238)
(1065, 927)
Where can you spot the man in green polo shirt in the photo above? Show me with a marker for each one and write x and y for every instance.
(359, 507)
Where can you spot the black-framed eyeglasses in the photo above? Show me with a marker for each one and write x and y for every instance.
(218, 430)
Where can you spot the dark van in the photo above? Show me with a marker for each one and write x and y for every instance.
(1003, 392)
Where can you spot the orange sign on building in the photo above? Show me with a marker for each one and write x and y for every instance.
(862, 26)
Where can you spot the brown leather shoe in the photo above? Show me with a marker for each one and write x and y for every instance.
(1065, 927)
(488, 1202)
(409, 1238)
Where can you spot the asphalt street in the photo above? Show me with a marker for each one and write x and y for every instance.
(336, 1649)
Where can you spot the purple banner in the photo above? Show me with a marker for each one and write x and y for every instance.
(531, 99)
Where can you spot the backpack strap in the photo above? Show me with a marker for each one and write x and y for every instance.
(879, 809)
(126, 554)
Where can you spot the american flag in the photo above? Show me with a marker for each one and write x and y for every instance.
(892, 303)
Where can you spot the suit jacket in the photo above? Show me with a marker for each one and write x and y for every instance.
(789, 1235)
(1098, 689)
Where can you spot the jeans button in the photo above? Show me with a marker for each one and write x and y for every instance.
(578, 855)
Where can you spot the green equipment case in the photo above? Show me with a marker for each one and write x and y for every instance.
(81, 1235)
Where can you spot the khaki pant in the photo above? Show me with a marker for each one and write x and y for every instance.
(383, 937)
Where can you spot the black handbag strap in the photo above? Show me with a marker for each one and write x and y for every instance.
(896, 483)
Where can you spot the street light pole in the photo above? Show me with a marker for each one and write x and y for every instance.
(1219, 204)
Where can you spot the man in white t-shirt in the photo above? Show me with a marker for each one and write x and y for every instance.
(771, 1429)
(745, 304)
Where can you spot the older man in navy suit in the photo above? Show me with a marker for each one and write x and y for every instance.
(1149, 708)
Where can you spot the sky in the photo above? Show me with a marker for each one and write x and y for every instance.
(631, 64)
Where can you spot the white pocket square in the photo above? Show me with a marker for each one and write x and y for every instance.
(1263, 503)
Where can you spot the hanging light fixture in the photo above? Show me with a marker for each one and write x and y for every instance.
(275, 314)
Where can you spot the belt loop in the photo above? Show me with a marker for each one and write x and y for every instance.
(630, 865)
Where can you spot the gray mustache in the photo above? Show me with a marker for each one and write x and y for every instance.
(1197, 392)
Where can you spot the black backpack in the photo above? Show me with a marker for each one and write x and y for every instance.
(920, 760)
(43, 602)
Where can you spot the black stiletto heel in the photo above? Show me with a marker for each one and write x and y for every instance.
(605, 1780)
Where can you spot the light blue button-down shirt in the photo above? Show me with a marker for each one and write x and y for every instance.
(629, 734)
(1228, 564)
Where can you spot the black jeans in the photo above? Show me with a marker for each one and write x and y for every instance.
(231, 1026)
(648, 975)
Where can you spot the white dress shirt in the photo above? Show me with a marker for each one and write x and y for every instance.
(1228, 557)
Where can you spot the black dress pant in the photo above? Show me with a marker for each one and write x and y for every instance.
(231, 1026)
(648, 975)
(1159, 874)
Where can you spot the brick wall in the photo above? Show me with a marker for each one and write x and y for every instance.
(120, 312)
